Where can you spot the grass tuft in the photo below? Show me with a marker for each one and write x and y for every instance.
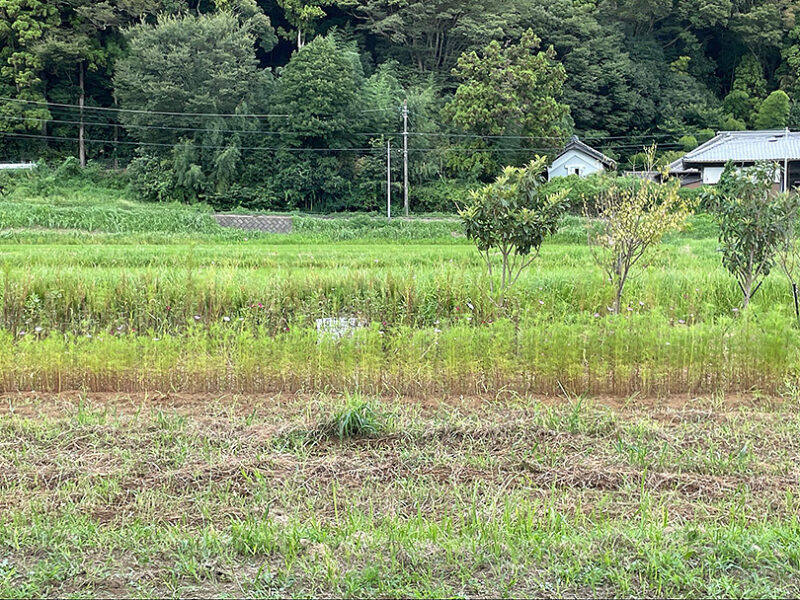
(358, 418)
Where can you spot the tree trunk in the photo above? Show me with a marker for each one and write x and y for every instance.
(796, 302)
(81, 132)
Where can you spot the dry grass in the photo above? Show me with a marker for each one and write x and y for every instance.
(138, 495)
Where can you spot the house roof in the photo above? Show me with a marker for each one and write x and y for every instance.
(742, 147)
(576, 144)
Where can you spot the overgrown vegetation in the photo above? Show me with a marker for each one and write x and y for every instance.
(289, 105)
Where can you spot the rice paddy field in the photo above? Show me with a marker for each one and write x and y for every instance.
(176, 419)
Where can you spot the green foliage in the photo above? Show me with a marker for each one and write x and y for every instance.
(512, 216)
(626, 69)
(358, 418)
(774, 111)
(510, 90)
(753, 223)
(190, 64)
(689, 142)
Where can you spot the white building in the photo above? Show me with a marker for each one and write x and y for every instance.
(579, 159)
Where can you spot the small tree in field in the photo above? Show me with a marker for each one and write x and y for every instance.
(512, 217)
(753, 224)
(633, 218)
(788, 254)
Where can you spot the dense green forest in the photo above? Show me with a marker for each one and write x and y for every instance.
(290, 104)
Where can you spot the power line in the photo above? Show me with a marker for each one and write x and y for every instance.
(200, 147)
(285, 148)
(191, 129)
(172, 114)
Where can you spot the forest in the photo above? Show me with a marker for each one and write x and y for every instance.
(291, 104)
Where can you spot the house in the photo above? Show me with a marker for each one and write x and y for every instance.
(704, 164)
(579, 159)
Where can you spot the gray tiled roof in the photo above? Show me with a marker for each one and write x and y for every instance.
(576, 144)
(743, 146)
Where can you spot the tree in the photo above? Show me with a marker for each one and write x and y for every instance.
(738, 105)
(752, 224)
(633, 219)
(22, 25)
(302, 14)
(191, 66)
(430, 34)
(601, 86)
(320, 91)
(512, 216)
(750, 87)
(513, 91)
(774, 111)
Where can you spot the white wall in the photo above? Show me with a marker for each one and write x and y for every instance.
(711, 175)
(567, 163)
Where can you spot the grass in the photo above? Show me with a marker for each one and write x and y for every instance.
(223, 444)
(140, 496)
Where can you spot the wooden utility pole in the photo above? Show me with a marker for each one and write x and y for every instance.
(389, 180)
(405, 156)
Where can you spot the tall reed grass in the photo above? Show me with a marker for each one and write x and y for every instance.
(618, 354)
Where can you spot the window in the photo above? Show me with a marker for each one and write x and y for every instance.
(575, 170)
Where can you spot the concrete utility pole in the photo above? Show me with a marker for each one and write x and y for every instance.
(405, 156)
(81, 143)
(389, 179)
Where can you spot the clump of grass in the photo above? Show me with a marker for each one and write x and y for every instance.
(358, 418)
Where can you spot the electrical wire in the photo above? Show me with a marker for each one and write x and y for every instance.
(169, 113)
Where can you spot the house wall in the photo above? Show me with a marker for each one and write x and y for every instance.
(710, 175)
(567, 163)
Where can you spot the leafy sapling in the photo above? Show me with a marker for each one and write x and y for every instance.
(753, 224)
(509, 220)
(633, 218)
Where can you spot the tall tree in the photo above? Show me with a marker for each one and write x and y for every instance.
(514, 91)
(302, 15)
(22, 24)
(431, 34)
(320, 92)
(192, 67)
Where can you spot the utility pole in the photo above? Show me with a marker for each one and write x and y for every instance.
(81, 144)
(389, 180)
(405, 156)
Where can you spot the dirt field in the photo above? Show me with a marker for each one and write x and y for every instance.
(159, 495)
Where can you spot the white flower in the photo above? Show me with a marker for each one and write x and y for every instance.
(226, 319)
(37, 329)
